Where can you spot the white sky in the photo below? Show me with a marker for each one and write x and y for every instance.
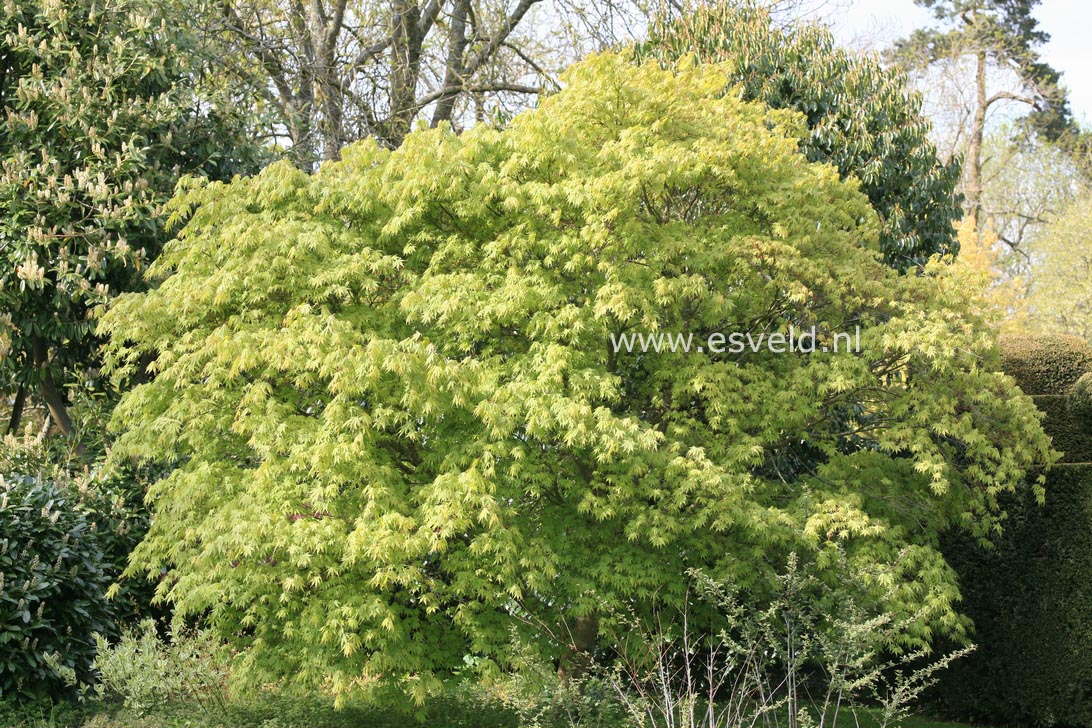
(1069, 23)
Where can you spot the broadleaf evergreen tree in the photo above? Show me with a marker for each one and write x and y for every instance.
(100, 117)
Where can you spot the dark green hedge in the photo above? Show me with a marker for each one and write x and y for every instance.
(1068, 430)
(1080, 401)
(1031, 601)
(1031, 596)
(1045, 364)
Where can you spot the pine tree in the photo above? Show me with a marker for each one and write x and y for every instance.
(997, 36)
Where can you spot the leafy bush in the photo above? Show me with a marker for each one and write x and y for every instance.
(115, 496)
(67, 534)
(144, 672)
(810, 654)
(53, 580)
(104, 107)
(540, 698)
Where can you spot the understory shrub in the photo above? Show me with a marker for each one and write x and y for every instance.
(809, 655)
(65, 536)
(53, 581)
(144, 672)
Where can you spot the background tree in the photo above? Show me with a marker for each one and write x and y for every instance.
(335, 71)
(1005, 295)
(100, 118)
(861, 117)
(998, 38)
(1026, 184)
(1060, 296)
(400, 434)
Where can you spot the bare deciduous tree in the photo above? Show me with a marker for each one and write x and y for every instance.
(333, 71)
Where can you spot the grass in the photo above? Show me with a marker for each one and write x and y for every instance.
(277, 711)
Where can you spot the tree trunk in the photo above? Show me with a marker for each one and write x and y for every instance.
(576, 659)
(17, 410)
(332, 131)
(303, 145)
(325, 31)
(405, 69)
(54, 402)
(453, 73)
(972, 187)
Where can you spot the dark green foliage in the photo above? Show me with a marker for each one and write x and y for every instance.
(1068, 431)
(114, 497)
(62, 560)
(1031, 597)
(121, 519)
(1045, 364)
(1031, 601)
(53, 579)
(101, 116)
(449, 712)
(860, 116)
(1080, 401)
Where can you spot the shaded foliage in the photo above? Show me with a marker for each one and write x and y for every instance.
(1029, 594)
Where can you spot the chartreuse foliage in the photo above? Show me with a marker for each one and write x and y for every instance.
(400, 434)
(861, 117)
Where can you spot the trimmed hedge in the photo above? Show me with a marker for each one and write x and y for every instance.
(1080, 400)
(1045, 364)
(1031, 596)
(1066, 427)
(1031, 602)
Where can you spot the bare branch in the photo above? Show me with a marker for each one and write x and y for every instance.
(479, 89)
(499, 37)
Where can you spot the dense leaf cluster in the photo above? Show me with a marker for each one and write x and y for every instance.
(399, 433)
(65, 537)
(53, 581)
(98, 118)
(861, 117)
